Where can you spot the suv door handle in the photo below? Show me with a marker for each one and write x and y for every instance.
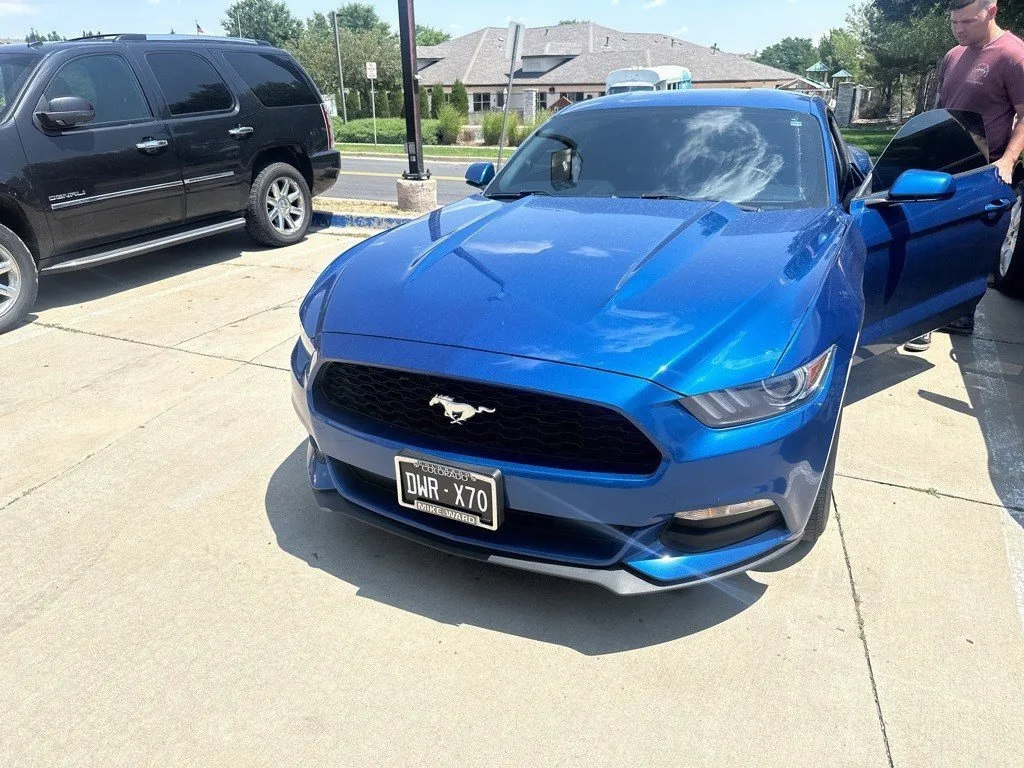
(151, 145)
(998, 205)
(241, 132)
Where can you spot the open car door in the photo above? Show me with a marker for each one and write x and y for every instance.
(929, 256)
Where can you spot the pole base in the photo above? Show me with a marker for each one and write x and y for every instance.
(417, 196)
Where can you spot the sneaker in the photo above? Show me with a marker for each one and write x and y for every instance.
(962, 327)
(920, 344)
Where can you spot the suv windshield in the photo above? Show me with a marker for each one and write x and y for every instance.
(14, 71)
(766, 158)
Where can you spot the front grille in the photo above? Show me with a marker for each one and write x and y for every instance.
(526, 427)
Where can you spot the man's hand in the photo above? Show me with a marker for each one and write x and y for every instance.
(1005, 167)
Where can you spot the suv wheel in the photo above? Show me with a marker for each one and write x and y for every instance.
(19, 280)
(1010, 273)
(280, 206)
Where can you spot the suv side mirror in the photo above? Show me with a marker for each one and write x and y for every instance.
(480, 174)
(918, 187)
(66, 112)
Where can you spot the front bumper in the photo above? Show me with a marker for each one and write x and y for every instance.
(781, 460)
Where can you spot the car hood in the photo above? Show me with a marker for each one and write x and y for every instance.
(692, 295)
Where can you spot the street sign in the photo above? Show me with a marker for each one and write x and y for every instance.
(514, 41)
(371, 70)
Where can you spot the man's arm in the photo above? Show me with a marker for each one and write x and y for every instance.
(1014, 149)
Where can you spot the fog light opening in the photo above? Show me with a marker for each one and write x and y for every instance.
(318, 455)
(728, 510)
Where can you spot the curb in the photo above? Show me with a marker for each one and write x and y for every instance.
(324, 220)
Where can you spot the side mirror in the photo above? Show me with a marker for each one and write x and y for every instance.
(861, 159)
(66, 112)
(918, 187)
(480, 174)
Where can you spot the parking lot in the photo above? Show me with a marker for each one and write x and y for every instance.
(171, 595)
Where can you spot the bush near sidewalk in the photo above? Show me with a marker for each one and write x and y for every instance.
(390, 130)
(449, 124)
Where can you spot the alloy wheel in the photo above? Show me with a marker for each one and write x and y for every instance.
(1010, 244)
(10, 281)
(286, 207)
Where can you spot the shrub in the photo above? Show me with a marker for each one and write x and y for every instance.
(390, 130)
(352, 105)
(449, 124)
(539, 119)
(491, 128)
(513, 131)
(397, 99)
(460, 98)
(424, 102)
(437, 100)
(383, 104)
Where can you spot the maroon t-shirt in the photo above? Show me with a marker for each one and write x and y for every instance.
(989, 81)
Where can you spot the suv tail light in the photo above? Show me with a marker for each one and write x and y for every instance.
(327, 125)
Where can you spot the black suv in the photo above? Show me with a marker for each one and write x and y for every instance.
(118, 145)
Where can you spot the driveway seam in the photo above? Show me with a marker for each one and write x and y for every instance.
(862, 633)
(932, 492)
(58, 327)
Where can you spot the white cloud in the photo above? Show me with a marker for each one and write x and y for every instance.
(653, 4)
(16, 9)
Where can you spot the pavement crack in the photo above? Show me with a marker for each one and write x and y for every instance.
(67, 329)
(932, 492)
(862, 633)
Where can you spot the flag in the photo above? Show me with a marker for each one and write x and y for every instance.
(199, 30)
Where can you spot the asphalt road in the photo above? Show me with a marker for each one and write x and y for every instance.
(171, 595)
(373, 178)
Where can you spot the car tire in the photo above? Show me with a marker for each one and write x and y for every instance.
(823, 503)
(1010, 269)
(19, 280)
(273, 223)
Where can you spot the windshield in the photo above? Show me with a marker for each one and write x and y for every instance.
(629, 88)
(767, 158)
(14, 71)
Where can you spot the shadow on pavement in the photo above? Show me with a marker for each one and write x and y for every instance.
(449, 589)
(107, 280)
(882, 372)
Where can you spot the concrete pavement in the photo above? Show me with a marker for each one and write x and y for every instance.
(170, 595)
(373, 178)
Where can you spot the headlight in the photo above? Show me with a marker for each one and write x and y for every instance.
(762, 399)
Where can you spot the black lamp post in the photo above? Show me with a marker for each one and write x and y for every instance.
(413, 137)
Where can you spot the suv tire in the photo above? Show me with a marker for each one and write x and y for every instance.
(280, 206)
(19, 280)
(1010, 270)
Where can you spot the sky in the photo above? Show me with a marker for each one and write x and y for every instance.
(740, 26)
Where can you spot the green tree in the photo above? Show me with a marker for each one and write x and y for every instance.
(383, 104)
(842, 49)
(460, 98)
(437, 99)
(397, 99)
(424, 102)
(352, 104)
(563, 22)
(268, 20)
(35, 37)
(430, 35)
(791, 54)
(362, 17)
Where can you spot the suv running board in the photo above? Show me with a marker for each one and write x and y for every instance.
(145, 247)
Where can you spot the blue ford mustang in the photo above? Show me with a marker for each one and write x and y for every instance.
(624, 362)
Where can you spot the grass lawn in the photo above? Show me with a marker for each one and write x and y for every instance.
(429, 151)
(872, 139)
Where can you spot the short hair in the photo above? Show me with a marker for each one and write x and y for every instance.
(956, 5)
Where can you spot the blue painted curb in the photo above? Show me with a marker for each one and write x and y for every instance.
(324, 220)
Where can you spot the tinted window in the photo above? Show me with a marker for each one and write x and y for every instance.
(771, 158)
(939, 140)
(105, 81)
(276, 80)
(190, 83)
(14, 71)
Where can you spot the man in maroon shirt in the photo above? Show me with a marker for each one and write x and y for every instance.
(984, 74)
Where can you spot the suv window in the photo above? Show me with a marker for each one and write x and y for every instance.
(107, 82)
(190, 83)
(14, 71)
(276, 80)
(939, 140)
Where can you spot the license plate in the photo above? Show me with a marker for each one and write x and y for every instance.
(451, 492)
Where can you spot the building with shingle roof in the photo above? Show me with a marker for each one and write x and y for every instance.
(574, 60)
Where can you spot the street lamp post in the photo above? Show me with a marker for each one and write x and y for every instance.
(413, 137)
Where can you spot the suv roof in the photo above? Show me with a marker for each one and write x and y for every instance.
(129, 37)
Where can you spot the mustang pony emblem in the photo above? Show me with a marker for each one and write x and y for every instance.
(457, 412)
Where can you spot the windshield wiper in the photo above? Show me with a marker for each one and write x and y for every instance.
(660, 196)
(517, 195)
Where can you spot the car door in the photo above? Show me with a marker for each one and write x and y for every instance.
(109, 179)
(928, 262)
(211, 136)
